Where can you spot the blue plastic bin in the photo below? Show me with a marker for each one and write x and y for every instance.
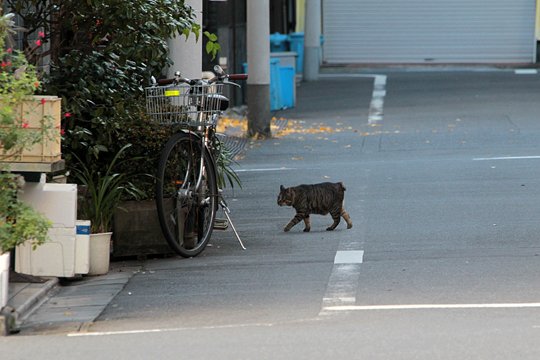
(287, 79)
(276, 87)
(279, 42)
(297, 45)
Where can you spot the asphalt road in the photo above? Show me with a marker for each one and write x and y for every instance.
(443, 185)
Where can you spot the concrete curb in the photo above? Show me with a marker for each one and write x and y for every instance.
(10, 317)
(27, 307)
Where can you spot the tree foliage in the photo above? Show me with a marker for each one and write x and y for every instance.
(102, 53)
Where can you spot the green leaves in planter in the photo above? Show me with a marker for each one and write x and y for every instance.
(103, 191)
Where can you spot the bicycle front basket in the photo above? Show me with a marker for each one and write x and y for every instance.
(192, 105)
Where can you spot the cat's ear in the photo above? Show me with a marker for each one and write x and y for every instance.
(281, 187)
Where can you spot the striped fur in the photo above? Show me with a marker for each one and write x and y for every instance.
(322, 199)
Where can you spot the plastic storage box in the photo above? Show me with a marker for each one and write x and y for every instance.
(57, 257)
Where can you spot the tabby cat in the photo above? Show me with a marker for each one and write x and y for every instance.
(319, 199)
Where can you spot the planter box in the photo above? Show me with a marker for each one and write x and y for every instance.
(137, 232)
(34, 112)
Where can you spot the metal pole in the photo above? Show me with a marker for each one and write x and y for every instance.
(312, 40)
(258, 59)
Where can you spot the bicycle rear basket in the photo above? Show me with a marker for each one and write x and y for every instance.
(191, 105)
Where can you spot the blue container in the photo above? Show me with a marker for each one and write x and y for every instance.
(279, 42)
(297, 45)
(287, 83)
(275, 86)
(282, 85)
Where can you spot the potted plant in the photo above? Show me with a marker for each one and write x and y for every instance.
(102, 192)
(18, 221)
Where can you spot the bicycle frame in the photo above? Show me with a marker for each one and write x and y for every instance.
(187, 172)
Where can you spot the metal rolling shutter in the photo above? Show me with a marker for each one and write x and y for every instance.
(429, 31)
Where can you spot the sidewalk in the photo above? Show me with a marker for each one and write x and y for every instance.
(77, 302)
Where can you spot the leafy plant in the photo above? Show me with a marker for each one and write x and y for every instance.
(224, 162)
(212, 46)
(18, 221)
(18, 79)
(104, 191)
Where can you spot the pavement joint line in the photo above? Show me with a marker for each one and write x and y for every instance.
(430, 307)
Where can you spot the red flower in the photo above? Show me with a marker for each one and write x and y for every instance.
(62, 131)
(25, 125)
(38, 42)
(36, 84)
(9, 50)
(68, 114)
(43, 101)
(41, 34)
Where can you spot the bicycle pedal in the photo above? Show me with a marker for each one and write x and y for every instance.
(221, 224)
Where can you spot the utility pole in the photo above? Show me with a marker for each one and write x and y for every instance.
(258, 59)
(312, 40)
(187, 54)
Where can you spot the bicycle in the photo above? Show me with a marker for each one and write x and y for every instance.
(187, 194)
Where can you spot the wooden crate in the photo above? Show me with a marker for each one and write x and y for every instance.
(33, 111)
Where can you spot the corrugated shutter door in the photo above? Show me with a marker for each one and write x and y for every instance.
(429, 31)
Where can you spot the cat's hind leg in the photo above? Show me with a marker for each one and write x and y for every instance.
(347, 218)
(337, 218)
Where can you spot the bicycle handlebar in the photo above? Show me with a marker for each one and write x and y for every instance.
(224, 77)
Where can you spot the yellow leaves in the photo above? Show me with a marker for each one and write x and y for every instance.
(281, 127)
(232, 126)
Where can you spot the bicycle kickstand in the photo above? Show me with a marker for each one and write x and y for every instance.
(226, 211)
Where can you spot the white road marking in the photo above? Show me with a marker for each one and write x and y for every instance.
(349, 257)
(508, 158)
(342, 287)
(526, 71)
(377, 98)
(431, 307)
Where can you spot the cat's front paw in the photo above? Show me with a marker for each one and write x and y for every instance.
(307, 229)
(329, 228)
(286, 229)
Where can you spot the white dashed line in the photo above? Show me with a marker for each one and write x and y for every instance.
(526, 71)
(349, 257)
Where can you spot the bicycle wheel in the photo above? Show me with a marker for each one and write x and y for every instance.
(186, 213)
